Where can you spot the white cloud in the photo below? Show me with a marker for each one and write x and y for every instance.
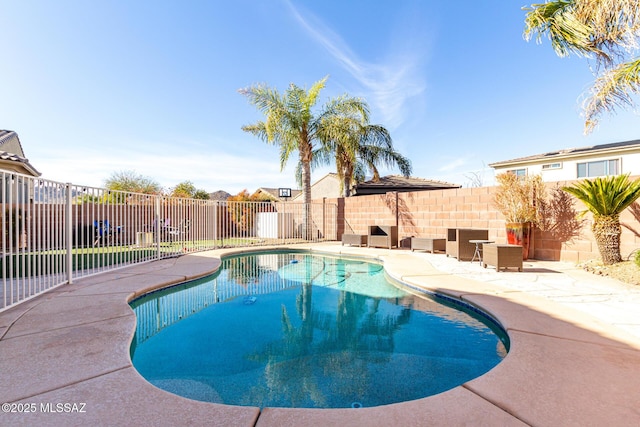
(453, 165)
(391, 84)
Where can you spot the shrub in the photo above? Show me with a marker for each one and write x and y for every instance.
(520, 198)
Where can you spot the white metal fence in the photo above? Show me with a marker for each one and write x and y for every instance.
(55, 232)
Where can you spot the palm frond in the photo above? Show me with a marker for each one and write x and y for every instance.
(612, 89)
(376, 148)
(264, 98)
(606, 29)
(557, 19)
(614, 23)
(314, 91)
(346, 106)
(258, 129)
(359, 173)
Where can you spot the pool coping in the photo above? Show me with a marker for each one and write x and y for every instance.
(71, 345)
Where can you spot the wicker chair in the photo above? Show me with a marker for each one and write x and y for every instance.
(385, 236)
(458, 245)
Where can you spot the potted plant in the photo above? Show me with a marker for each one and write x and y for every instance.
(520, 199)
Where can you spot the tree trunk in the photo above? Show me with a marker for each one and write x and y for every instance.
(346, 190)
(307, 226)
(607, 231)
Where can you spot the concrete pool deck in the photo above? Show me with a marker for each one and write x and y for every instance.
(574, 357)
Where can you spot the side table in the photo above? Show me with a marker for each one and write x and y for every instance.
(478, 252)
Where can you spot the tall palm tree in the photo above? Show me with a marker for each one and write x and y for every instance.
(606, 198)
(605, 29)
(291, 123)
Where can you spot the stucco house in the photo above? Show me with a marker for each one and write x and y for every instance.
(328, 186)
(576, 163)
(12, 156)
(12, 159)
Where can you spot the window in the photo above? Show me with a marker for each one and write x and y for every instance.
(518, 172)
(551, 166)
(599, 168)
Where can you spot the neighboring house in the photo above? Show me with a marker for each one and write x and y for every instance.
(575, 163)
(328, 186)
(12, 159)
(12, 156)
(274, 194)
(400, 184)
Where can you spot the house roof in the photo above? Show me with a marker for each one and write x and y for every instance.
(15, 157)
(219, 195)
(329, 175)
(574, 152)
(401, 184)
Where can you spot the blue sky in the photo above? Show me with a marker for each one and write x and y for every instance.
(94, 88)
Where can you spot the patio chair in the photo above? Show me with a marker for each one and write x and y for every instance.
(178, 231)
(104, 230)
(385, 236)
(458, 245)
(101, 230)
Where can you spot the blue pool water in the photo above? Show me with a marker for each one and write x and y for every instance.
(301, 330)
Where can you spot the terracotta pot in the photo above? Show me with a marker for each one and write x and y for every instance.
(519, 233)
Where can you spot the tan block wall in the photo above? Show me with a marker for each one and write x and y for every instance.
(430, 213)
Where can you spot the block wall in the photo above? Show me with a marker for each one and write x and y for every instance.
(566, 237)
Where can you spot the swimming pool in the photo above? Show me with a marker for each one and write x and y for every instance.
(300, 330)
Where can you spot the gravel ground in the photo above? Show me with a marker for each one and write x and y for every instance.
(626, 271)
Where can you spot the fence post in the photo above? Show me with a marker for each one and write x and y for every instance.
(324, 219)
(215, 225)
(68, 234)
(156, 221)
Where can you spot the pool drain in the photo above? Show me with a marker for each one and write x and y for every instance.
(356, 405)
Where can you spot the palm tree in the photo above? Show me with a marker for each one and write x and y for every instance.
(360, 148)
(368, 148)
(605, 29)
(357, 148)
(291, 124)
(606, 198)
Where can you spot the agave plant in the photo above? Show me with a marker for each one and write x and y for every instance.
(606, 198)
